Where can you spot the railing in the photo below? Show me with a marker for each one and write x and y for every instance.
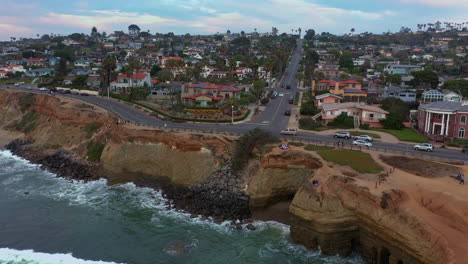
(348, 146)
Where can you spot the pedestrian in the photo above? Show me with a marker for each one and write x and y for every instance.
(462, 179)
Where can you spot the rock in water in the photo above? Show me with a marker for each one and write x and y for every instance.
(251, 227)
(176, 249)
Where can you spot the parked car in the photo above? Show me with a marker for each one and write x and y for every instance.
(29, 88)
(465, 150)
(84, 94)
(74, 92)
(288, 87)
(364, 137)
(424, 146)
(291, 100)
(287, 112)
(18, 84)
(289, 131)
(43, 89)
(342, 134)
(361, 142)
(274, 95)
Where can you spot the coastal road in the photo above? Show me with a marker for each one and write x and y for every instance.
(272, 119)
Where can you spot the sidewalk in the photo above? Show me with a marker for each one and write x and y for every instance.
(295, 114)
(249, 117)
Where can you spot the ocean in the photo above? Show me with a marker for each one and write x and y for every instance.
(49, 220)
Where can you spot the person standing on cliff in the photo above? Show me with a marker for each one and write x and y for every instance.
(462, 179)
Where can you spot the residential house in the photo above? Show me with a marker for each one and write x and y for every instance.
(397, 92)
(401, 69)
(329, 73)
(165, 59)
(53, 61)
(443, 119)
(206, 71)
(93, 81)
(350, 91)
(37, 62)
(4, 74)
(327, 99)
(40, 72)
(80, 71)
(205, 94)
(14, 68)
(441, 95)
(124, 82)
(263, 73)
(82, 63)
(167, 92)
(362, 113)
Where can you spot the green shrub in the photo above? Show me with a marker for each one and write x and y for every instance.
(131, 140)
(91, 129)
(27, 123)
(26, 101)
(309, 124)
(256, 138)
(309, 109)
(342, 121)
(364, 126)
(95, 151)
(265, 101)
(297, 144)
(392, 122)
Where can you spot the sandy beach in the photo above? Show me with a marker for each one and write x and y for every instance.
(7, 136)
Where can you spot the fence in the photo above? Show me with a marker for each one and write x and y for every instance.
(348, 146)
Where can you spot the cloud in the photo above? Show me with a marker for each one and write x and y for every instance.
(439, 3)
(103, 19)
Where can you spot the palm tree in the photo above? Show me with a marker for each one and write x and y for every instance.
(108, 66)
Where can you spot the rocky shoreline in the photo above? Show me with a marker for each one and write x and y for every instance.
(219, 197)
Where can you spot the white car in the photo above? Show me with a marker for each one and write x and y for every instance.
(289, 131)
(424, 146)
(361, 142)
(364, 137)
(42, 89)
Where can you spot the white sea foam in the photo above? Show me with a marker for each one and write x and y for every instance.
(12, 256)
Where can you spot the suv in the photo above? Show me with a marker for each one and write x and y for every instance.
(291, 100)
(424, 146)
(289, 131)
(364, 137)
(274, 95)
(342, 134)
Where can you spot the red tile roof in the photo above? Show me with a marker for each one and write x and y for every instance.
(172, 58)
(154, 81)
(138, 76)
(220, 88)
(35, 59)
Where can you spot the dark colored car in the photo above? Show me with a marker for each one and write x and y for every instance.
(288, 87)
(66, 91)
(287, 112)
(84, 94)
(291, 100)
(465, 150)
(75, 93)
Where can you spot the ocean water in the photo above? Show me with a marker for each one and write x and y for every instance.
(49, 220)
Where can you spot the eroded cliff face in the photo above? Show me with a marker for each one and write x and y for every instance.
(53, 123)
(340, 216)
(278, 175)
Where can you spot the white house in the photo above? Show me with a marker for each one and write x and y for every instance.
(441, 95)
(124, 83)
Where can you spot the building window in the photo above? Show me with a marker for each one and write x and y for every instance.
(463, 120)
(461, 133)
(439, 116)
(371, 115)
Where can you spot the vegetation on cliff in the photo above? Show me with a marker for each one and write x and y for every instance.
(256, 138)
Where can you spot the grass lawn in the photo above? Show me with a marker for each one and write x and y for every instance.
(297, 144)
(406, 134)
(316, 148)
(358, 161)
(358, 133)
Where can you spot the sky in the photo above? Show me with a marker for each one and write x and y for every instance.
(27, 18)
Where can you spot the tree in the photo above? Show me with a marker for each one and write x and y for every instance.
(258, 89)
(309, 34)
(396, 107)
(108, 67)
(155, 69)
(425, 79)
(228, 32)
(455, 85)
(392, 122)
(60, 71)
(133, 30)
(346, 60)
(393, 79)
(80, 81)
(274, 31)
(76, 36)
(165, 75)
(94, 31)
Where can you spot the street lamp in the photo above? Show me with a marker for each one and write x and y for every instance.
(232, 114)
